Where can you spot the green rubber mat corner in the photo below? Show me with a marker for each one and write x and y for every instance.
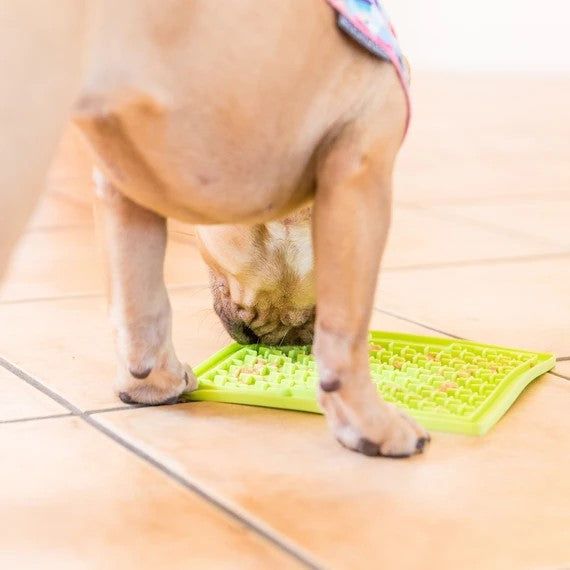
(446, 384)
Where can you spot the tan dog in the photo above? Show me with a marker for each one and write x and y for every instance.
(244, 114)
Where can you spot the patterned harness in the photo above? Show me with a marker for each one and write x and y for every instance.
(367, 22)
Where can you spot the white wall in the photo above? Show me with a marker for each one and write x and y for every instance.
(518, 35)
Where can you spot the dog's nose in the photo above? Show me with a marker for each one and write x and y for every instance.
(246, 314)
(296, 318)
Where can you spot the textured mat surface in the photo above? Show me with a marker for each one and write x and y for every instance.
(447, 385)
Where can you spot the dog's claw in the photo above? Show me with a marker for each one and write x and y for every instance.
(422, 442)
(126, 399)
(367, 447)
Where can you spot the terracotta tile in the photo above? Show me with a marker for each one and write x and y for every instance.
(118, 513)
(545, 220)
(466, 504)
(68, 262)
(485, 137)
(71, 169)
(76, 190)
(421, 237)
(54, 264)
(488, 183)
(430, 236)
(67, 343)
(385, 322)
(184, 265)
(19, 400)
(523, 303)
(55, 212)
(181, 230)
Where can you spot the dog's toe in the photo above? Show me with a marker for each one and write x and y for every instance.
(421, 444)
(367, 447)
(126, 399)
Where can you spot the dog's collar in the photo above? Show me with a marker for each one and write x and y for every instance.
(367, 22)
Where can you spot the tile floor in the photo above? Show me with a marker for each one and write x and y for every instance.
(480, 249)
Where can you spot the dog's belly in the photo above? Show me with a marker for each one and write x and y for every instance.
(197, 170)
(197, 127)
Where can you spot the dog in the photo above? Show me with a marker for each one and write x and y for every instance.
(274, 133)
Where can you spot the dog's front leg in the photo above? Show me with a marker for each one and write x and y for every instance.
(351, 219)
(135, 242)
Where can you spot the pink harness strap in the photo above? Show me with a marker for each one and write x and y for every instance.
(367, 23)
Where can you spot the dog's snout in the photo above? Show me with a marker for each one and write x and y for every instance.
(289, 328)
(286, 326)
(296, 318)
(250, 335)
(241, 333)
(246, 314)
(273, 319)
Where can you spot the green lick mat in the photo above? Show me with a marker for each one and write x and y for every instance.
(447, 385)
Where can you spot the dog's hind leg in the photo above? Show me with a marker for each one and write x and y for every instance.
(351, 219)
(42, 54)
(135, 242)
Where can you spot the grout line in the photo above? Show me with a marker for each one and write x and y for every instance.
(487, 261)
(489, 226)
(117, 409)
(39, 386)
(22, 420)
(254, 526)
(75, 200)
(559, 375)
(562, 358)
(402, 318)
(505, 200)
(182, 237)
(257, 527)
(71, 296)
(91, 295)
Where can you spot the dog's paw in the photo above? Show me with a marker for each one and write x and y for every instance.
(374, 428)
(157, 386)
